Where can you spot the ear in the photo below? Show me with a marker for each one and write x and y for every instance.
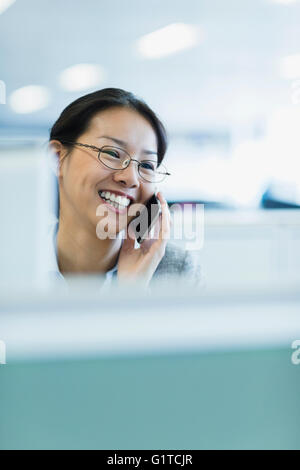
(58, 152)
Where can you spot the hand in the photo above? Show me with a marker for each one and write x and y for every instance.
(140, 264)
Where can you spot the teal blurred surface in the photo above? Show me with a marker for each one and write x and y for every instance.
(218, 400)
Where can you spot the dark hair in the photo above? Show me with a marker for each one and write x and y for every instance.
(76, 117)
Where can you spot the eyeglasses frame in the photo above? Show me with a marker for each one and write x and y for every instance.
(99, 150)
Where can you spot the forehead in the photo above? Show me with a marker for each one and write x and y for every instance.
(124, 124)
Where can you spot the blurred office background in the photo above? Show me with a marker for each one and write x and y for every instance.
(224, 76)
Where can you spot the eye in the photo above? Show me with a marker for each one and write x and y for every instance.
(148, 166)
(111, 153)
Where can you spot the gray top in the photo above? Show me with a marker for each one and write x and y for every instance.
(180, 263)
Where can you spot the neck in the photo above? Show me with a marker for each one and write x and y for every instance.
(80, 251)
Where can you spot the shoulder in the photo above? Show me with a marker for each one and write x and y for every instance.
(180, 263)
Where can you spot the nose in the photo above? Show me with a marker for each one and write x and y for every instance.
(128, 177)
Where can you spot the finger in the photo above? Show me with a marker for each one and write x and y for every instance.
(157, 228)
(153, 234)
(129, 240)
(146, 245)
(130, 232)
(164, 233)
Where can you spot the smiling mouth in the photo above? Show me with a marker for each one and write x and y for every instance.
(118, 202)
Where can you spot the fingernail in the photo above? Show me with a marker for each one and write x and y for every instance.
(131, 233)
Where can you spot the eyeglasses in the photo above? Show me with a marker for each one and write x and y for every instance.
(116, 158)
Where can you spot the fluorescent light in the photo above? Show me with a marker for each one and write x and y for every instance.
(283, 2)
(290, 67)
(81, 77)
(5, 4)
(168, 40)
(29, 99)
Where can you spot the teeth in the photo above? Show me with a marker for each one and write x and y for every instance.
(126, 201)
(115, 200)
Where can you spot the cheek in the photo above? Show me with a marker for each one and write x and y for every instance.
(84, 180)
(147, 193)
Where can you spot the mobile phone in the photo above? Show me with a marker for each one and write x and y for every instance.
(149, 214)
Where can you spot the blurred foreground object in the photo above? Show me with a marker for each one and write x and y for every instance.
(171, 370)
(27, 195)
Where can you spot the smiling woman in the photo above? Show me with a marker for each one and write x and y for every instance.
(109, 147)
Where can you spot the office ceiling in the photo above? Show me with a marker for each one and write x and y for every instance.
(231, 77)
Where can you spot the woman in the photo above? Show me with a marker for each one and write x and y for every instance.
(110, 146)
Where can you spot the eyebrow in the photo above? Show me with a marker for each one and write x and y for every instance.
(124, 144)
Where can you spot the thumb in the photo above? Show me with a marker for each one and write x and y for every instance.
(129, 239)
